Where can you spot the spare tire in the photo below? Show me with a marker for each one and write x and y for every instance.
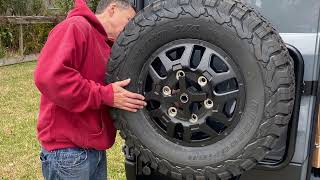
(219, 83)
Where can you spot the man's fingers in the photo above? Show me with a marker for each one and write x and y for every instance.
(133, 106)
(129, 109)
(134, 95)
(136, 102)
(123, 83)
(127, 93)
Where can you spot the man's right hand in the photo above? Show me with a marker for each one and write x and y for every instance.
(126, 100)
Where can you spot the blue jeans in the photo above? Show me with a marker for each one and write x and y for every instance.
(74, 164)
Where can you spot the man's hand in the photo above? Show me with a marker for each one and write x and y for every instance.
(126, 100)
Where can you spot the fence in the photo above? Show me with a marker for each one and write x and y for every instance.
(21, 21)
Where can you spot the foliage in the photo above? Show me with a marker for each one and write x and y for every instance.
(63, 5)
(93, 5)
(6, 36)
(9, 33)
(8, 40)
(34, 35)
(2, 52)
(22, 8)
(3, 6)
(66, 5)
(37, 7)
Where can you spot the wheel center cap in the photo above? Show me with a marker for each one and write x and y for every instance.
(184, 98)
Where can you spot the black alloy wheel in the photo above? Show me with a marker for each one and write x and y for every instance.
(194, 91)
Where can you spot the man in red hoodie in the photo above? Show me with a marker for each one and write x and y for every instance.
(74, 126)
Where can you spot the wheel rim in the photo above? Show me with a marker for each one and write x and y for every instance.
(195, 92)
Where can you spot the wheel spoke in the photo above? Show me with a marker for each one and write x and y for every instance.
(205, 60)
(182, 84)
(198, 97)
(208, 130)
(155, 76)
(187, 134)
(160, 114)
(171, 128)
(170, 99)
(222, 118)
(186, 56)
(152, 96)
(221, 77)
(186, 111)
(166, 62)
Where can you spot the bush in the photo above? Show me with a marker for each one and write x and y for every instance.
(34, 37)
(65, 5)
(9, 33)
(2, 52)
(22, 8)
(93, 4)
(9, 37)
(37, 7)
(6, 35)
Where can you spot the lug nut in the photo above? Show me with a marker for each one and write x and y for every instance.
(184, 98)
(208, 103)
(180, 74)
(172, 111)
(202, 81)
(146, 170)
(166, 91)
(194, 118)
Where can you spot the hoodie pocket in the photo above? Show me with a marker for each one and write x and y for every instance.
(101, 125)
(97, 139)
(63, 126)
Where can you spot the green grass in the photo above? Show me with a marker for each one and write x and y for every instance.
(19, 148)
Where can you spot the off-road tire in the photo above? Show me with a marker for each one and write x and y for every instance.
(235, 28)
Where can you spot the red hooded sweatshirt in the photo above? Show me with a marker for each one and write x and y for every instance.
(70, 76)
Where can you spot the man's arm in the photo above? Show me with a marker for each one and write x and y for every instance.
(57, 78)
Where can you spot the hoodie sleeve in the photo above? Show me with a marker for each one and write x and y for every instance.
(57, 78)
